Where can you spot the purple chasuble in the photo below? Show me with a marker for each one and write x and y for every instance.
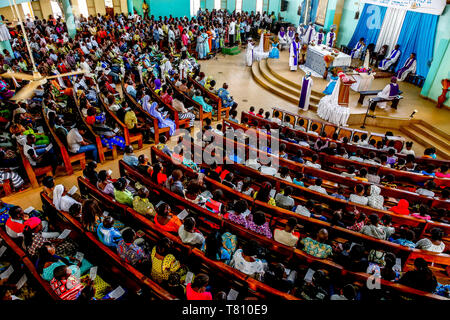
(394, 90)
(320, 38)
(303, 93)
(330, 43)
(295, 52)
(282, 34)
(407, 65)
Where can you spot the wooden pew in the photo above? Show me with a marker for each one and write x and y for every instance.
(6, 186)
(157, 130)
(33, 173)
(188, 102)
(323, 263)
(342, 132)
(21, 255)
(217, 100)
(130, 137)
(261, 290)
(331, 176)
(97, 140)
(138, 280)
(68, 159)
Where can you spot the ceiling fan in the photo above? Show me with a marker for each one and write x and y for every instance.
(35, 79)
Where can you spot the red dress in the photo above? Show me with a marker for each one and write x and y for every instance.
(193, 295)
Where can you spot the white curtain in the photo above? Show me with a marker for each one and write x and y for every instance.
(390, 29)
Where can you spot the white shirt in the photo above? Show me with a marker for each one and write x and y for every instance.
(190, 237)
(232, 27)
(318, 189)
(284, 237)
(26, 149)
(74, 139)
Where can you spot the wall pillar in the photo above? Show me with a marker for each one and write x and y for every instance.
(130, 6)
(76, 8)
(100, 7)
(70, 19)
(338, 14)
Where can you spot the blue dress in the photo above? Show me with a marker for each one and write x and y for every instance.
(274, 53)
(330, 87)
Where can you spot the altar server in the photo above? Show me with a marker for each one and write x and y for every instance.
(309, 34)
(331, 37)
(408, 67)
(282, 38)
(249, 53)
(320, 37)
(291, 35)
(391, 59)
(389, 92)
(358, 49)
(293, 54)
(305, 92)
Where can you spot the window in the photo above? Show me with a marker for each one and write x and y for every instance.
(259, 6)
(195, 6)
(82, 8)
(217, 4)
(238, 6)
(56, 9)
(27, 11)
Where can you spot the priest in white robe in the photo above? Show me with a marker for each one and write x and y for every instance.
(320, 37)
(290, 35)
(389, 92)
(249, 53)
(309, 34)
(294, 54)
(282, 38)
(391, 59)
(331, 38)
(305, 92)
(408, 67)
(358, 49)
(301, 30)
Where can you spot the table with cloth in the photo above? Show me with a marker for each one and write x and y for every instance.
(315, 61)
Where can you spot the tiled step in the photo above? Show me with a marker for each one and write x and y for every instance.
(259, 78)
(431, 134)
(280, 84)
(442, 150)
(289, 82)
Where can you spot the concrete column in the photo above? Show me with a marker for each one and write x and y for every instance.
(130, 6)
(46, 8)
(338, 14)
(70, 19)
(76, 8)
(100, 7)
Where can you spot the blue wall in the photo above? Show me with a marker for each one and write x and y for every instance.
(348, 23)
(331, 9)
(231, 5)
(291, 14)
(5, 3)
(177, 8)
(248, 5)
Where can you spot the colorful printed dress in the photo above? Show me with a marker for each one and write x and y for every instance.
(161, 269)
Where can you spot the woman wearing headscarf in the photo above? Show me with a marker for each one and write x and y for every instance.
(375, 199)
(61, 201)
(153, 111)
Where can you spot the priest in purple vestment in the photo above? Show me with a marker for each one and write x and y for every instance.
(408, 67)
(389, 92)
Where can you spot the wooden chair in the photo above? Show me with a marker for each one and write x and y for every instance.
(34, 173)
(213, 97)
(68, 159)
(98, 141)
(129, 137)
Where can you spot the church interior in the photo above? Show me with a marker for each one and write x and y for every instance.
(327, 122)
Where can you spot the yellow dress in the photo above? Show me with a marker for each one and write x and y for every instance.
(161, 269)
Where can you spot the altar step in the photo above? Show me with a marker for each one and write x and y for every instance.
(231, 51)
(429, 136)
(280, 86)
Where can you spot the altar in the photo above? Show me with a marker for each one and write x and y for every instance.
(315, 59)
(363, 82)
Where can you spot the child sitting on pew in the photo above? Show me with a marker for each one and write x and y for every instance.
(426, 190)
(287, 122)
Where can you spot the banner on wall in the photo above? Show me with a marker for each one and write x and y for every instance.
(435, 7)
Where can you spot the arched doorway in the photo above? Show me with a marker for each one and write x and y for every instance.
(109, 7)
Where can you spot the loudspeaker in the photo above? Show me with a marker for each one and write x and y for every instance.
(284, 5)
